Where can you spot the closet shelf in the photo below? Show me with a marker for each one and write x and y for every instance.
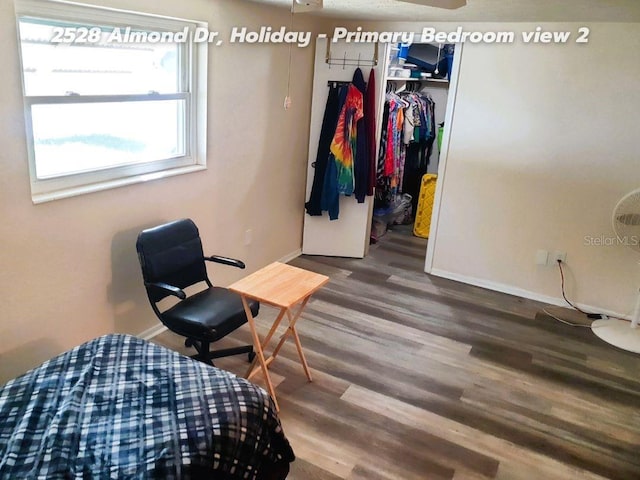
(411, 79)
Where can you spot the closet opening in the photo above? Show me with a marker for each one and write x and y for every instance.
(414, 120)
(361, 92)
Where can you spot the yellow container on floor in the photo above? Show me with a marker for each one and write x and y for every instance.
(425, 205)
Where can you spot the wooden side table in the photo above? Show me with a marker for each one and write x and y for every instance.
(285, 287)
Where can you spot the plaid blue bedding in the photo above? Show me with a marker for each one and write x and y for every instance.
(118, 407)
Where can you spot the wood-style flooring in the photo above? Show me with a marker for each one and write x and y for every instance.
(417, 377)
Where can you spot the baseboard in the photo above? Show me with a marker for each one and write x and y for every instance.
(287, 258)
(152, 332)
(521, 292)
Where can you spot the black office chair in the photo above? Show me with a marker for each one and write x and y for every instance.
(172, 259)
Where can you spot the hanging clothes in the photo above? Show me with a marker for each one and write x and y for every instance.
(329, 122)
(406, 143)
(346, 150)
(344, 143)
(330, 196)
(382, 191)
(370, 126)
(362, 153)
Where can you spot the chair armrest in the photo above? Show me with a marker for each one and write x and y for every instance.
(226, 261)
(170, 289)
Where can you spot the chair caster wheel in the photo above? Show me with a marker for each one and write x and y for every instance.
(252, 355)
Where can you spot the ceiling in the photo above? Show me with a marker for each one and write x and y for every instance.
(480, 10)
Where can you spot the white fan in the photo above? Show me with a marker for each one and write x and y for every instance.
(626, 224)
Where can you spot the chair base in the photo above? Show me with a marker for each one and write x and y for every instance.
(206, 356)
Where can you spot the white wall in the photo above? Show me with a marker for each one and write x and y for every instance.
(69, 270)
(544, 142)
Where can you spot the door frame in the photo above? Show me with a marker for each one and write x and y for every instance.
(444, 154)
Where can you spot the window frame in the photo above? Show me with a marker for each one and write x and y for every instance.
(193, 83)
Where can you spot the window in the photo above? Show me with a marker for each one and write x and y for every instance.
(111, 97)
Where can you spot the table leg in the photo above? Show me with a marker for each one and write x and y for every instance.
(258, 350)
(265, 342)
(301, 354)
(292, 330)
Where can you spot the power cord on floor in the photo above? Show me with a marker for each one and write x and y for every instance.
(564, 295)
(591, 316)
(565, 322)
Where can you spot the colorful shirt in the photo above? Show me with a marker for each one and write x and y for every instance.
(344, 141)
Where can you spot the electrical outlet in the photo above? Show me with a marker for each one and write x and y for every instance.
(562, 256)
(248, 234)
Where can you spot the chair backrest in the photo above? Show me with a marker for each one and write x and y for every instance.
(171, 253)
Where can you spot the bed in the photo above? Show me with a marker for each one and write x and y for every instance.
(122, 408)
